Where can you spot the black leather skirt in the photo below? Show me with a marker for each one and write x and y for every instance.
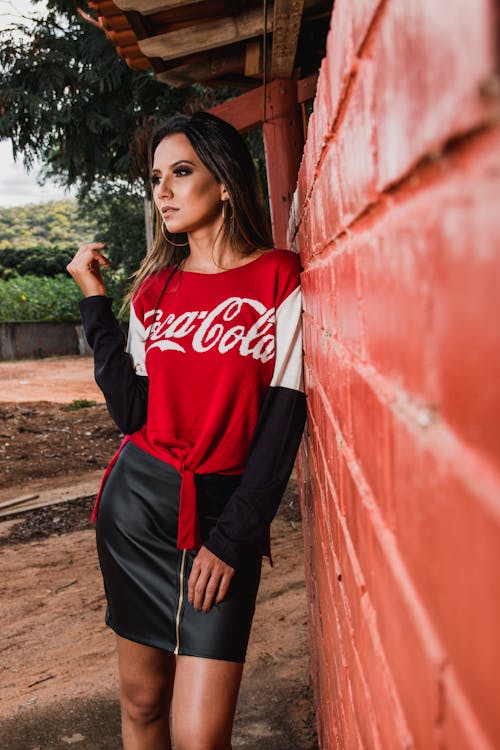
(146, 576)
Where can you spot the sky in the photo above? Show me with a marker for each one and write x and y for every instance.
(17, 187)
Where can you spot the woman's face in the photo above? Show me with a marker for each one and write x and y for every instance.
(184, 190)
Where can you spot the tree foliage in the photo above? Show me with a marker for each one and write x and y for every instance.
(40, 239)
(68, 100)
(38, 260)
(116, 211)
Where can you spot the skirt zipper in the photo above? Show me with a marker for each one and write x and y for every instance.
(179, 605)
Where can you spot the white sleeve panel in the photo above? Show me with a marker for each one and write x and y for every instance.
(288, 361)
(136, 343)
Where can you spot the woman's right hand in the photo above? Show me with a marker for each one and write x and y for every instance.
(85, 268)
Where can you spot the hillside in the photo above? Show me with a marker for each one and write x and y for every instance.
(50, 224)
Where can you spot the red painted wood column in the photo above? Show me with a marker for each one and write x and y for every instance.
(283, 144)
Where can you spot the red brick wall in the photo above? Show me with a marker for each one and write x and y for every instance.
(396, 217)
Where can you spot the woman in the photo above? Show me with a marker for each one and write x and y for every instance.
(209, 395)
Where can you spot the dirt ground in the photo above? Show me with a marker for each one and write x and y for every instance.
(59, 683)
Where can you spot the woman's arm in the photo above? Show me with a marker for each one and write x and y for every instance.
(125, 390)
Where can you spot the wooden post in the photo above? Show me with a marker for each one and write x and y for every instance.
(283, 144)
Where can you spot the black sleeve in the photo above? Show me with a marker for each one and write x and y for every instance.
(126, 393)
(245, 520)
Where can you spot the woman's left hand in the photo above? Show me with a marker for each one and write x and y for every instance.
(208, 581)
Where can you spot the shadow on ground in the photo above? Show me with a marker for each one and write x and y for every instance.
(278, 719)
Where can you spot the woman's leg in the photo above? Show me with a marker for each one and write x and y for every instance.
(146, 685)
(204, 703)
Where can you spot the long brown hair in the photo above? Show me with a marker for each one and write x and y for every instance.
(225, 154)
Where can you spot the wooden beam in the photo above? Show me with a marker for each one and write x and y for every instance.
(202, 70)
(306, 88)
(253, 58)
(286, 27)
(246, 111)
(283, 145)
(206, 35)
(147, 7)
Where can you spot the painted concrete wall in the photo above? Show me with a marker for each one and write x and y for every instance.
(37, 340)
(396, 218)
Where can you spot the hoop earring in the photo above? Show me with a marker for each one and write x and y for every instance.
(176, 244)
(224, 210)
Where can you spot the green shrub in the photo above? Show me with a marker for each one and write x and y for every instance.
(39, 299)
(36, 260)
(79, 403)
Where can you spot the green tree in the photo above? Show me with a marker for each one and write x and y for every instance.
(116, 211)
(68, 100)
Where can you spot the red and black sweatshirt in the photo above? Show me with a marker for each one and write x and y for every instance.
(211, 382)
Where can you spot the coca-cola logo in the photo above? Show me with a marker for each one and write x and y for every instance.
(212, 329)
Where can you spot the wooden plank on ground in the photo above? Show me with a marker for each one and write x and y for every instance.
(17, 501)
(14, 510)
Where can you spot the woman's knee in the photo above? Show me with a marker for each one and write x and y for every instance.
(143, 707)
(146, 682)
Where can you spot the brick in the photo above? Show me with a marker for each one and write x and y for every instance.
(338, 559)
(328, 518)
(318, 291)
(328, 184)
(293, 221)
(428, 88)
(413, 651)
(368, 736)
(322, 107)
(340, 53)
(355, 137)
(310, 155)
(397, 298)
(442, 517)
(347, 307)
(301, 188)
(317, 209)
(360, 701)
(303, 237)
(466, 239)
(328, 538)
(311, 300)
(333, 371)
(391, 722)
(351, 584)
(362, 14)
(338, 389)
(351, 735)
(331, 668)
(358, 524)
(461, 730)
(370, 417)
(331, 456)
